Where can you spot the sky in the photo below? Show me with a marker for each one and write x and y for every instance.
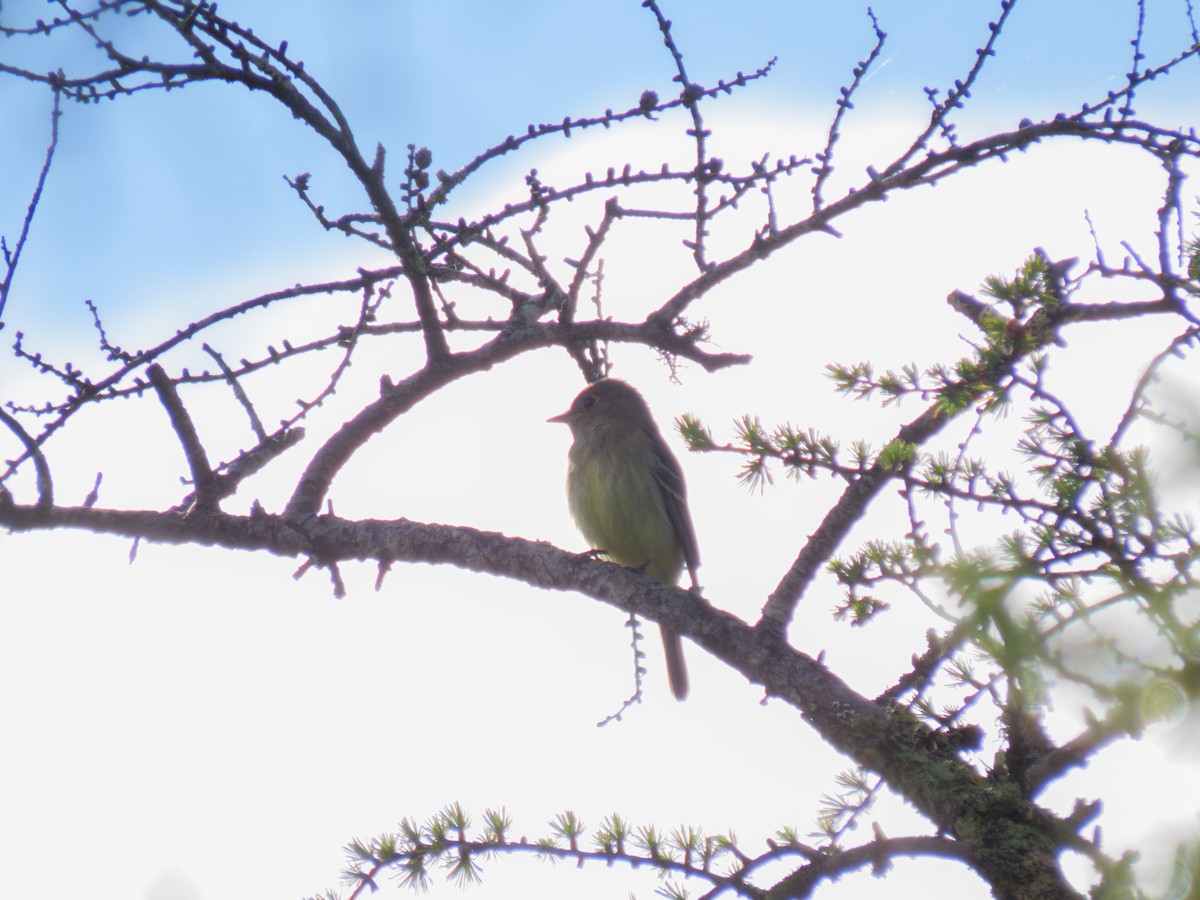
(200, 724)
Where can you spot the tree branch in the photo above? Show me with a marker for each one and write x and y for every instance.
(193, 450)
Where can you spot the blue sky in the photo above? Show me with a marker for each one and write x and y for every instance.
(228, 729)
(153, 181)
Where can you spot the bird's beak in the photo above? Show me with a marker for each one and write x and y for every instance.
(562, 417)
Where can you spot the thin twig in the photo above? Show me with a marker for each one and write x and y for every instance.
(13, 257)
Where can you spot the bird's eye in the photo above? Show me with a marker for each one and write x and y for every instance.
(589, 402)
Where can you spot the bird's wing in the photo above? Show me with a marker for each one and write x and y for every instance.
(669, 476)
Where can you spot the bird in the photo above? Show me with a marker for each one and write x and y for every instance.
(626, 493)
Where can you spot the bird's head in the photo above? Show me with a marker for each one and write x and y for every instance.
(604, 403)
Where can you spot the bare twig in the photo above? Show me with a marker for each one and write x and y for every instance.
(193, 450)
(13, 257)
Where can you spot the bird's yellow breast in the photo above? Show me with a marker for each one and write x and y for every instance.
(616, 499)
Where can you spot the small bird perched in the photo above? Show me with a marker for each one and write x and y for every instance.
(626, 493)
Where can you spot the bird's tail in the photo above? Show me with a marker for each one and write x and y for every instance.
(676, 668)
